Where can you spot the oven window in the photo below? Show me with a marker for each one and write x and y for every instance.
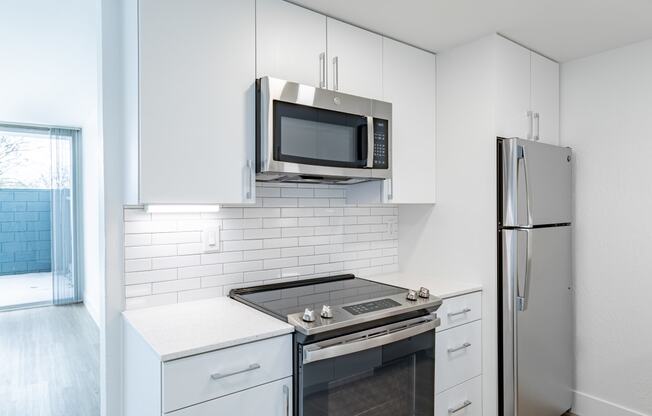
(314, 136)
(393, 380)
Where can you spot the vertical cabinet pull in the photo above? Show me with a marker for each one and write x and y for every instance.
(250, 179)
(336, 73)
(464, 405)
(286, 396)
(536, 128)
(530, 126)
(322, 70)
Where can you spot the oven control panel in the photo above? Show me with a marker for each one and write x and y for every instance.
(372, 306)
(381, 144)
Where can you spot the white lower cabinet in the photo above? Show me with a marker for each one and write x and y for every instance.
(462, 400)
(215, 374)
(250, 379)
(271, 399)
(458, 357)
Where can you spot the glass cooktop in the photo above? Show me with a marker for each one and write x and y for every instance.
(284, 299)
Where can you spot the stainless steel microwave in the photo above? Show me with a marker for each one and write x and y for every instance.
(308, 134)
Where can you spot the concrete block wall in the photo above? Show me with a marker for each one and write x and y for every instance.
(25, 231)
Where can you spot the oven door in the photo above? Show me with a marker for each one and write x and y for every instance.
(384, 371)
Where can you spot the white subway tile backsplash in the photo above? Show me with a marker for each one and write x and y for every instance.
(138, 265)
(243, 266)
(138, 240)
(226, 257)
(175, 286)
(200, 271)
(150, 251)
(294, 231)
(136, 278)
(175, 261)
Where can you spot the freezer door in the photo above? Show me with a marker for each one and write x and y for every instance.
(536, 183)
(537, 322)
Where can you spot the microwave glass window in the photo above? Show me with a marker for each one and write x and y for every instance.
(315, 136)
(320, 141)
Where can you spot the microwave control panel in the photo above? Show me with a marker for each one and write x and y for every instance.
(381, 144)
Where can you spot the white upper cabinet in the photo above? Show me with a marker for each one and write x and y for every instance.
(512, 89)
(409, 84)
(545, 98)
(527, 93)
(196, 99)
(355, 60)
(290, 43)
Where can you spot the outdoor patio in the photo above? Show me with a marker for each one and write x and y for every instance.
(21, 289)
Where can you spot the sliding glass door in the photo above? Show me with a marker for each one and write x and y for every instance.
(39, 261)
(66, 287)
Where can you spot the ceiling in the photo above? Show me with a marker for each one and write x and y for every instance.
(560, 29)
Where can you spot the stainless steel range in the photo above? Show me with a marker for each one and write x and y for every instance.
(360, 347)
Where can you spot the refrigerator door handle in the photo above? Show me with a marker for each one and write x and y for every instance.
(523, 285)
(522, 159)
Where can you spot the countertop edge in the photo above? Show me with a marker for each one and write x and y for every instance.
(177, 355)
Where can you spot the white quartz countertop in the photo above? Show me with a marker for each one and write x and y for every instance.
(440, 287)
(184, 329)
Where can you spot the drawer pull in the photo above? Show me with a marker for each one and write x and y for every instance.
(218, 376)
(464, 405)
(461, 347)
(463, 311)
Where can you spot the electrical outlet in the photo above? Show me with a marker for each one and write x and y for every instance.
(211, 239)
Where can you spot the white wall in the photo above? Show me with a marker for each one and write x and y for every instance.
(606, 118)
(48, 75)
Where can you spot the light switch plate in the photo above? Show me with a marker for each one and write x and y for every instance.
(211, 239)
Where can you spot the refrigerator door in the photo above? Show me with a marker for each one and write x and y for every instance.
(537, 322)
(536, 183)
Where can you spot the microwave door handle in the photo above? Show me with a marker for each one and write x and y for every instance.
(370, 142)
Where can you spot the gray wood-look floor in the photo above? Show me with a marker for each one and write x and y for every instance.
(49, 362)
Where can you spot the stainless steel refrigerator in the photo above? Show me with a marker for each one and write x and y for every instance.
(536, 321)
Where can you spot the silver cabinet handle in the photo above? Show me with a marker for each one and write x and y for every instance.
(251, 367)
(286, 395)
(536, 129)
(336, 73)
(530, 121)
(250, 169)
(322, 70)
(464, 405)
(462, 312)
(461, 347)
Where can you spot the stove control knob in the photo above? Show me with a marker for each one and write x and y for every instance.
(326, 312)
(309, 315)
(424, 293)
(411, 295)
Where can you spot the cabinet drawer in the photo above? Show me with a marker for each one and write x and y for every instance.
(462, 400)
(203, 377)
(272, 399)
(458, 355)
(460, 310)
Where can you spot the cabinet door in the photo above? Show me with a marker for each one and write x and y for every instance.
(512, 89)
(272, 399)
(545, 98)
(355, 60)
(196, 99)
(409, 84)
(289, 42)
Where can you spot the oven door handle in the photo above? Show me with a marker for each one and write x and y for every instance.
(313, 352)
